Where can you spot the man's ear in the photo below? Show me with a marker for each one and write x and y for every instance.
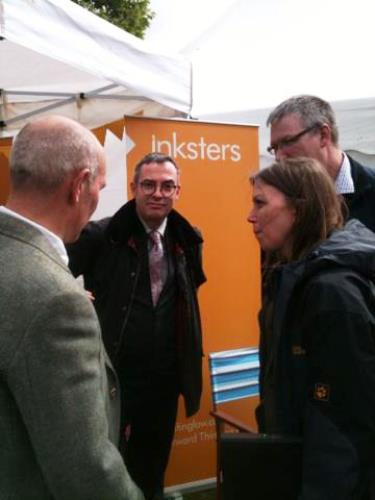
(325, 135)
(177, 192)
(78, 183)
(132, 188)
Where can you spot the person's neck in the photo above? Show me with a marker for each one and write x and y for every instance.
(334, 162)
(45, 213)
(151, 225)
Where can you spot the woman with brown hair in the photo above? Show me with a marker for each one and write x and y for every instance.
(317, 323)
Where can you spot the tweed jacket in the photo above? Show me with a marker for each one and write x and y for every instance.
(59, 411)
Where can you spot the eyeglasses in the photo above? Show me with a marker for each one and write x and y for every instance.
(166, 188)
(289, 141)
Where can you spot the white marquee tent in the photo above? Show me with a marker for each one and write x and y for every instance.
(355, 118)
(259, 52)
(249, 55)
(55, 55)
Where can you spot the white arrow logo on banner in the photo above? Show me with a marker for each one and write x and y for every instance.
(129, 143)
(114, 195)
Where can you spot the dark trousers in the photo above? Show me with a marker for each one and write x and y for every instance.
(149, 419)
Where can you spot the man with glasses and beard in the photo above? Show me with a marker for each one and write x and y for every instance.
(305, 126)
(143, 268)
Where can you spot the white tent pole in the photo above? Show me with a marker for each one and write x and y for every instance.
(37, 111)
(34, 93)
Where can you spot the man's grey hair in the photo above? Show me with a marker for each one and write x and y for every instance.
(311, 109)
(48, 149)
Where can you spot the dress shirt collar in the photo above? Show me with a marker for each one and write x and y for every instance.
(161, 229)
(344, 182)
(54, 240)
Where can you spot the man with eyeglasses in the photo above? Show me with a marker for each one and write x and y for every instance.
(143, 268)
(306, 126)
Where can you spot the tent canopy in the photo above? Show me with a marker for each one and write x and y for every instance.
(55, 54)
(259, 53)
(248, 56)
(355, 120)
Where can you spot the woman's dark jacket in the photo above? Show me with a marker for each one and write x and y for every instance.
(108, 254)
(318, 362)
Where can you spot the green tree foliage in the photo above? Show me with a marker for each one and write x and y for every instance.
(134, 16)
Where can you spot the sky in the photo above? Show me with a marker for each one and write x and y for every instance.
(178, 22)
(251, 54)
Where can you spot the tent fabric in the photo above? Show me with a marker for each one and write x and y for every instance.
(355, 120)
(54, 52)
(248, 56)
(259, 53)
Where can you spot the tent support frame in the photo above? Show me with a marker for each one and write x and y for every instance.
(67, 99)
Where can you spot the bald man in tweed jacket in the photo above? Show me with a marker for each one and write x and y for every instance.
(59, 400)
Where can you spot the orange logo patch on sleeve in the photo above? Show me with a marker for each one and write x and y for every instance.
(321, 392)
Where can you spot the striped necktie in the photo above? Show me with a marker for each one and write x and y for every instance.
(156, 262)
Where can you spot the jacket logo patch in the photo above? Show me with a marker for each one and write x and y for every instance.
(322, 392)
(298, 350)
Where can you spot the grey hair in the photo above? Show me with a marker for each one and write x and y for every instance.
(311, 109)
(48, 149)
